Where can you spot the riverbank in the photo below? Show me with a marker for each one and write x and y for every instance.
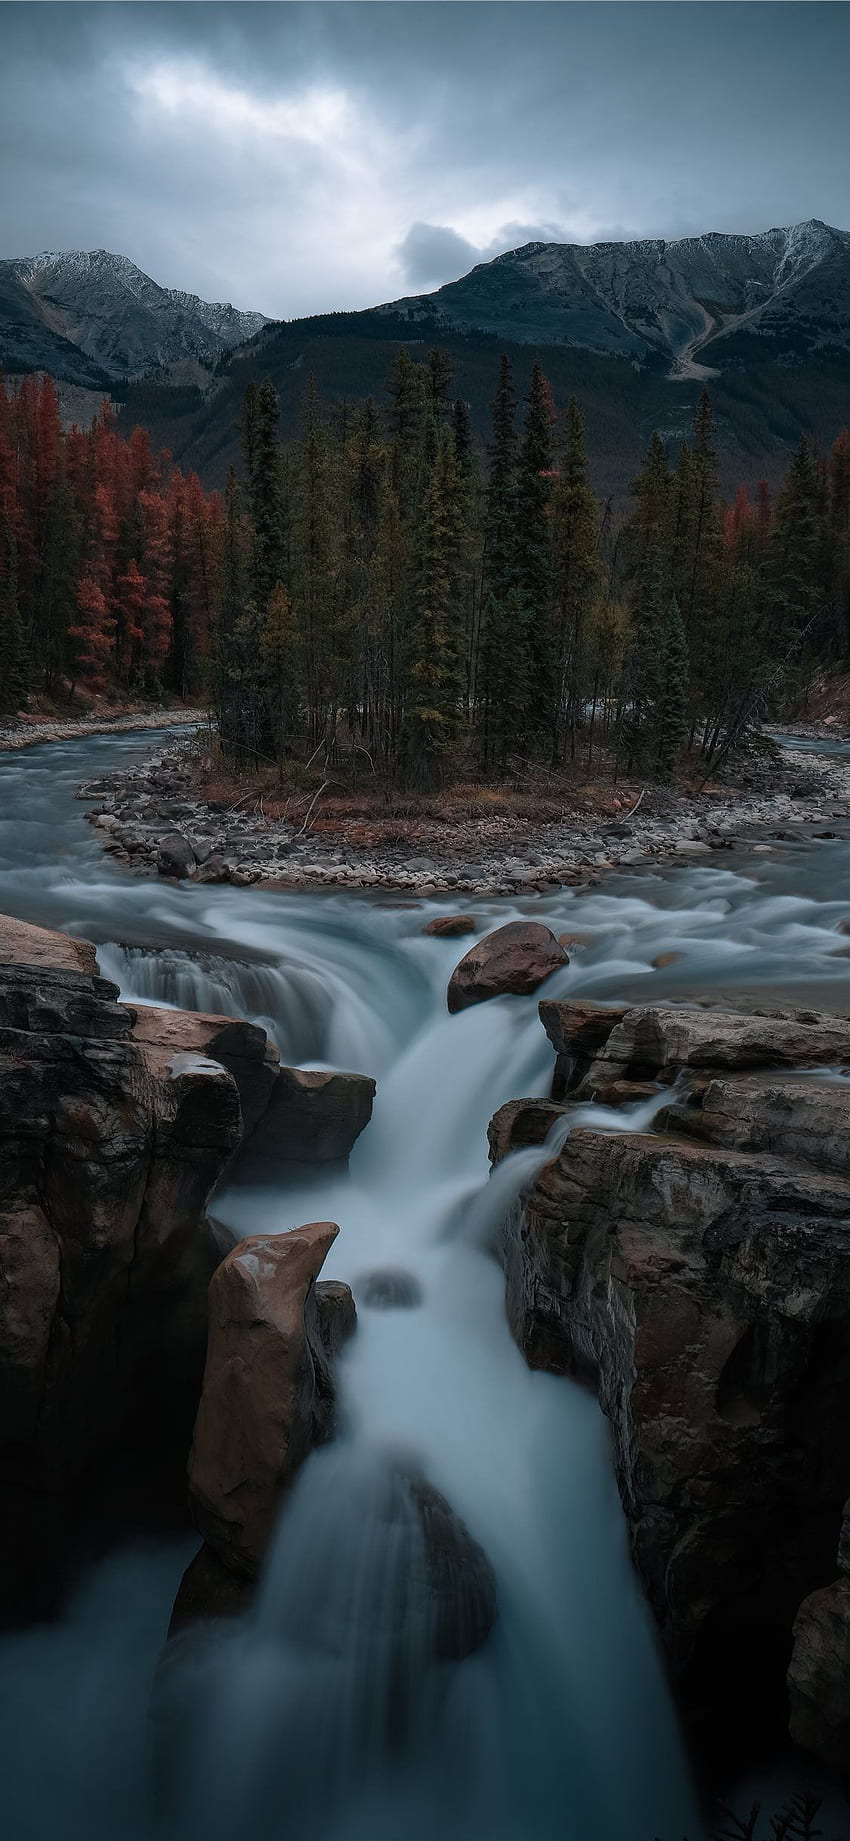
(26, 731)
(151, 817)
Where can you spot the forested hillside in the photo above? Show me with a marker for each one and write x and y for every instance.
(375, 589)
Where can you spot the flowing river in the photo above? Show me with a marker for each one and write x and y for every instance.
(560, 1727)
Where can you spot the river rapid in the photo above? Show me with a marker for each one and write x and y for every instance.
(560, 1728)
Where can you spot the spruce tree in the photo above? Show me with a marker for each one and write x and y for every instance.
(668, 707)
(14, 676)
(435, 677)
(534, 651)
(278, 647)
(261, 440)
(577, 574)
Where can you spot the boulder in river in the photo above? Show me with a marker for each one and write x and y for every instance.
(389, 1288)
(266, 1400)
(175, 856)
(451, 926)
(514, 960)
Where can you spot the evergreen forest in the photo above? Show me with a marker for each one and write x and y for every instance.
(382, 590)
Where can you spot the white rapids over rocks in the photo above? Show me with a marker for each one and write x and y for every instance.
(559, 1728)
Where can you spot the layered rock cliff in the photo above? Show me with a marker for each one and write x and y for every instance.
(699, 1275)
(116, 1123)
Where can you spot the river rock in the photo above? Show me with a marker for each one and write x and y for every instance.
(262, 1408)
(313, 1117)
(513, 960)
(577, 1032)
(175, 856)
(520, 1124)
(389, 1288)
(22, 944)
(649, 1043)
(461, 1582)
(451, 926)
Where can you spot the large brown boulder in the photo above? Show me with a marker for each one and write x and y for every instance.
(243, 1048)
(265, 1401)
(513, 961)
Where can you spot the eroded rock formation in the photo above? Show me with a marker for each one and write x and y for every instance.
(266, 1397)
(699, 1275)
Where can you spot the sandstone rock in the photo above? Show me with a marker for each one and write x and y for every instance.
(313, 1117)
(21, 944)
(451, 926)
(175, 856)
(577, 1032)
(243, 1048)
(819, 1675)
(700, 1277)
(514, 960)
(389, 1288)
(653, 1043)
(521, 1123)
(261, 1409)
(109, 1148)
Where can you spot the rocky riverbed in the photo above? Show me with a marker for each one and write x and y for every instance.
(151, 817)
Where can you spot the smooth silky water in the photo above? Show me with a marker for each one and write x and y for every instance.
(303, 1721)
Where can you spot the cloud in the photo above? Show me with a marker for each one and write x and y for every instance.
(298, 158)
(432, 253)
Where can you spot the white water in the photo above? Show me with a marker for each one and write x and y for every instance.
(559, 1728)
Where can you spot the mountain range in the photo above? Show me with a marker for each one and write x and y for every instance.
(634, 330)
(90, 317)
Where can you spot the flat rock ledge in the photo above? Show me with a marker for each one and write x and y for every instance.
(150, 819)
(698, 1276)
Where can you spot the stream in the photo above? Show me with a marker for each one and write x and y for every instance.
(560, 1727)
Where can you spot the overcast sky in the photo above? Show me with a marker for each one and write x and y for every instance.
(300, 158)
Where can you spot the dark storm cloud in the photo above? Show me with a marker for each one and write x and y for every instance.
(303, 157)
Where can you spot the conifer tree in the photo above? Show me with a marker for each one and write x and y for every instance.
(534, 650)
(261, 441)
(279, 679)
(577, 571)
(433, 704)
(13, 659)
(668, 707)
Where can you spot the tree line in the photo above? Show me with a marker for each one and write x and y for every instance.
(381, 589)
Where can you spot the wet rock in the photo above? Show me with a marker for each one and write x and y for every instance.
(819, 1675)
(336, 1316)
(208, 1589)
(389, 1288)
(214, 868)
(700, 1277)
(577, 1032)
(514, 960)
(451, 926)
(243, 1048)
(109, 1149)
(652, 1043)
(520, 1124)
(22, 944)
(175, 856)
(314, 1117)
(262, 1409)
(461, 1581)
